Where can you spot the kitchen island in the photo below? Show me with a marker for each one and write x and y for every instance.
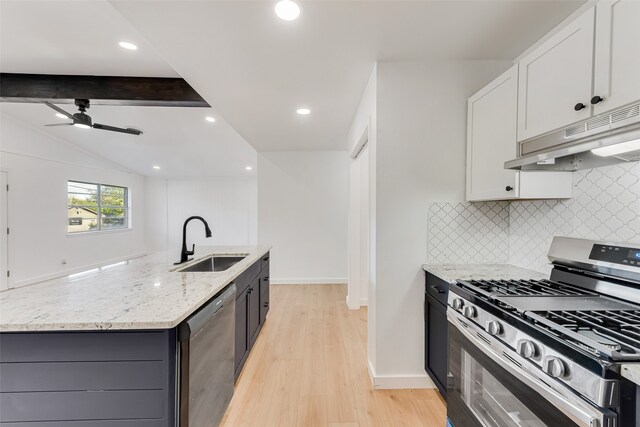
(101, 347)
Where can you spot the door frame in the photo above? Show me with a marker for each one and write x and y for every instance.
(358, 236)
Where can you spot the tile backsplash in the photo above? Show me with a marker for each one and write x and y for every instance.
(461, 233)
(605, 206)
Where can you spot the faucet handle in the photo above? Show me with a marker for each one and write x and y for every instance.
(193, 249)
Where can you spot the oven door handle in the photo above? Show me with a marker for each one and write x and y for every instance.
(580, 411)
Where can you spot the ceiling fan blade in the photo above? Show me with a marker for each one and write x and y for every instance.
(58, 109)
(60, 124)
(129, 131)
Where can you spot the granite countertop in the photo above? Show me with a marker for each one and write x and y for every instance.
(452, 272)
(141, 293)
(631, 371)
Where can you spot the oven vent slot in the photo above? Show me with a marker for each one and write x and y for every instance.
(514, 361)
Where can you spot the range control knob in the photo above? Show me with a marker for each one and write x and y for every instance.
(527, 349)
(469, 312)
(493, 328)
(554, 367)
(458, 303)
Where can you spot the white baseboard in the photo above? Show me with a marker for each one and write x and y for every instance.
(329, 281)
(363, 303)
(393, 382)
(70, 271)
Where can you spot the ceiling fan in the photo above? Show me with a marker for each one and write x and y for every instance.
(83, 120)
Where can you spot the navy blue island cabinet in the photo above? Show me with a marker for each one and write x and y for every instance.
(108, 378)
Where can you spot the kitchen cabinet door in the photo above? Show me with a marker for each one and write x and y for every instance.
(491, 138)
(491, 141)
(617, 54)
(254, 310)
(242, 338)
(555, 80)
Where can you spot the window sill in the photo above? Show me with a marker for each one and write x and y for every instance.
(99, 232)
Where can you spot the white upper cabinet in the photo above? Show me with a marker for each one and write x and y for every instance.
(491, 138)
(617, 54)
(491, 141)
(556, 79)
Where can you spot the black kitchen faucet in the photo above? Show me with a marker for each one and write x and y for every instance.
(184, 255)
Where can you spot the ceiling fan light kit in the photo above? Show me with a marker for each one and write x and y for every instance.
(83, 120)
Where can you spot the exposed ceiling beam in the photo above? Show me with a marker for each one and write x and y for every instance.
(101, 90)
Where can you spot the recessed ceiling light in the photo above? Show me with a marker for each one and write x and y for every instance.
(287, 10)
(61, 116)
(210, 119)
(303, 111)
(128, 46)
(156, 167)
(248, 168)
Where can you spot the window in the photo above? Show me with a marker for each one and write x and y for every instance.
(95, 207)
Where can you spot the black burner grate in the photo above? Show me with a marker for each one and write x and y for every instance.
(497, 288)
(613, 333)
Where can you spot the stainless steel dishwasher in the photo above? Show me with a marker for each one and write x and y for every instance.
(207, 345)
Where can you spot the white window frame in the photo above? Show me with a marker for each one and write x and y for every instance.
(99, 229)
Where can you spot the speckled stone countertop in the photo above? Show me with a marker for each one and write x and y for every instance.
(142, 293)
(452, 272)
(631, 371)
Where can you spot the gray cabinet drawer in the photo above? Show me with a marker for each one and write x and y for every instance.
(437, 288)
(246, 277)
(265, 260)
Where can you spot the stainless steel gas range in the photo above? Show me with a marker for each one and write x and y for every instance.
(549, 352)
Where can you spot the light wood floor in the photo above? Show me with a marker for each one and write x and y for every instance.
(309, 368)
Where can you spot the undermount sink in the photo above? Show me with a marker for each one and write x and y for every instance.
(213, 263)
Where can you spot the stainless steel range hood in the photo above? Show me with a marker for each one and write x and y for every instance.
(570, 149)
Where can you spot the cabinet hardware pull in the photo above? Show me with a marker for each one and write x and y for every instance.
(508, 188)
(596, 99)
(579, 106)
(437, 289)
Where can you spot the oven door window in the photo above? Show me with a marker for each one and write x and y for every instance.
(489, 400)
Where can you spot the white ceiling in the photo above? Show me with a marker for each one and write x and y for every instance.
(253, 68)
(81, 37)
(179, 140)
(256, 69)
(73, 37)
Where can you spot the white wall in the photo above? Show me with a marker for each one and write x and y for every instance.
(302, 213)
(419, 157)
(38, 169)
(229, 204)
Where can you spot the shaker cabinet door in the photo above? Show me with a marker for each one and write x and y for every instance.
(555, 80)
(491, 139)
(617, 54)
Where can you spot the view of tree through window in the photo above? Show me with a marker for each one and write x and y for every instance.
(93, 207)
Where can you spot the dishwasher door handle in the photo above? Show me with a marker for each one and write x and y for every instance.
(194, 324)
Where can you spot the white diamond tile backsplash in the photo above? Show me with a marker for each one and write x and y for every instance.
(468, 233)
(605, 206)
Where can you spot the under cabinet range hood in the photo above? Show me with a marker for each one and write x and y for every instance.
(602, 140)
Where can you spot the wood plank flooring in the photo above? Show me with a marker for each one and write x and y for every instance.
(309, 368)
